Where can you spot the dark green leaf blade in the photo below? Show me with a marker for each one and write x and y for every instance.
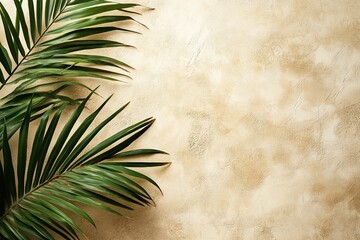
(9, 173)
(81, 33)
(5, 59)
(48, 11)
(138, 152)
(2, 78)
(91, 11)
(39, 15)
(89, 23)
(32, 20)
(22, 151)
(3, 190)
(22, 21)
(77, 45)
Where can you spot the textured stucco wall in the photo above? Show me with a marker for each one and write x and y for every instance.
(258, 103)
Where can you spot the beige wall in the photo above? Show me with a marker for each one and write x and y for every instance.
(258, 104)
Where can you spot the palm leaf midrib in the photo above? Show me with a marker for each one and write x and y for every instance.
(35, 44)
(18, 201)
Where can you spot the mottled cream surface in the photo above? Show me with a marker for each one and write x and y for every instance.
(258, 104)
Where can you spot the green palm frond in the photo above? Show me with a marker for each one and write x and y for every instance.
(45, 46)
(35, 199)
(66, 24)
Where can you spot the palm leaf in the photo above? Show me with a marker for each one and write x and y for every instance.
(65, 173)
(27, 58)
(68, 24)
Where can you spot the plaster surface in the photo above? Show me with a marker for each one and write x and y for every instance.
(258, 104)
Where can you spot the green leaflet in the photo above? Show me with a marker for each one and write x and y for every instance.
(5, 59)
(91, 11)
(8, 172)
(24, 27)
(32, 21)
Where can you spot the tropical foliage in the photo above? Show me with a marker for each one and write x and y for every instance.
(51, 172)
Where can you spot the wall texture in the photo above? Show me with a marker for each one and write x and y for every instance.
(258, 103)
